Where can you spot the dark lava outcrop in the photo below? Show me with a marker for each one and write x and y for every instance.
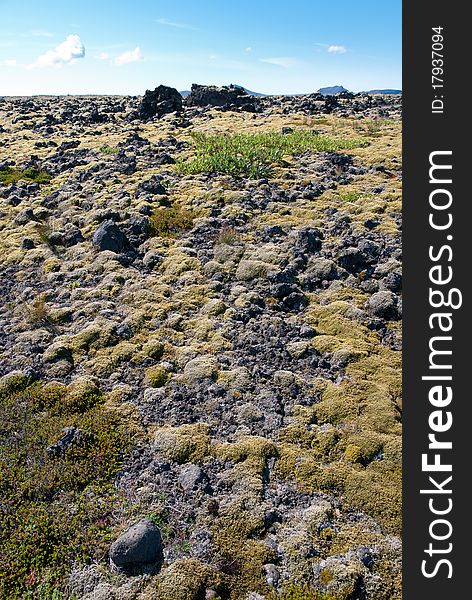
(159, 102)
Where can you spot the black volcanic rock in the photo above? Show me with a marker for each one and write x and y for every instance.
(226, 97)
(159, 102)
(140, 545)
(109, 236)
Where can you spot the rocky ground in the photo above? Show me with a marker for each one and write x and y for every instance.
(253, 353)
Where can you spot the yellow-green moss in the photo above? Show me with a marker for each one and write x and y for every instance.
(157, 376)
(251, 451)
(350, 441)
(353, 453)
(186, 579)
(187, 443)
(154, 349)
(300, 592)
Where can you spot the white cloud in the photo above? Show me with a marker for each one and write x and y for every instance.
(103, 56)
(280, 61)
(68, 51)
(337, 49)
(249, 49)
(129, 57)
(170, 23)
(10, 62)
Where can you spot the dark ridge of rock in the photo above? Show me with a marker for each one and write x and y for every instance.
(224, 97)
(159, 102)
(152, 186)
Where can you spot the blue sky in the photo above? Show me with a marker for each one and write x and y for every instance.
(289, 46)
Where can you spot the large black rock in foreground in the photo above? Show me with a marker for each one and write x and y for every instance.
(140, 545)
(109, 236)
(159, 102)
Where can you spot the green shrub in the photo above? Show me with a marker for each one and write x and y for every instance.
(37, 312)
(10, 175)
(167, 222)
(109, 150)
(254, 154)
(229, 236)
(44, 232)
(56, 507)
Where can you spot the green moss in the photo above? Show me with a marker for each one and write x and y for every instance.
(326, 576)
(13, 382)
(242, 555)
(57, 506)
(10, 175)
(187, 443)
(353, 453)
(168, 222)
(106, 361)
(93, 337)
(157, 376)
(377, 491)
(251, 451)
(109, 150)
(154, 349)
(350, 441)
(186, 579)
(301, 592)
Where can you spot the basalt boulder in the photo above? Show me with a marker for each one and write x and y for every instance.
(109, 236)
(159, 102)
(137, 547)
(227, 97)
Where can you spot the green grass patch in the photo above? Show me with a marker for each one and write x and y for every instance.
(55, 507)
(168, 222)
(37, 312)
(9, 175)
(229, 236)
(255, 154)
(109, 150)
(350, 196)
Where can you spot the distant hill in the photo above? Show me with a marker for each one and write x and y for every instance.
(250, 92)
(338, 89)
(334, 89)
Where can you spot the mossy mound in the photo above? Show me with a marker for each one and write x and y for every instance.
(184, 580)
(187, 443)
